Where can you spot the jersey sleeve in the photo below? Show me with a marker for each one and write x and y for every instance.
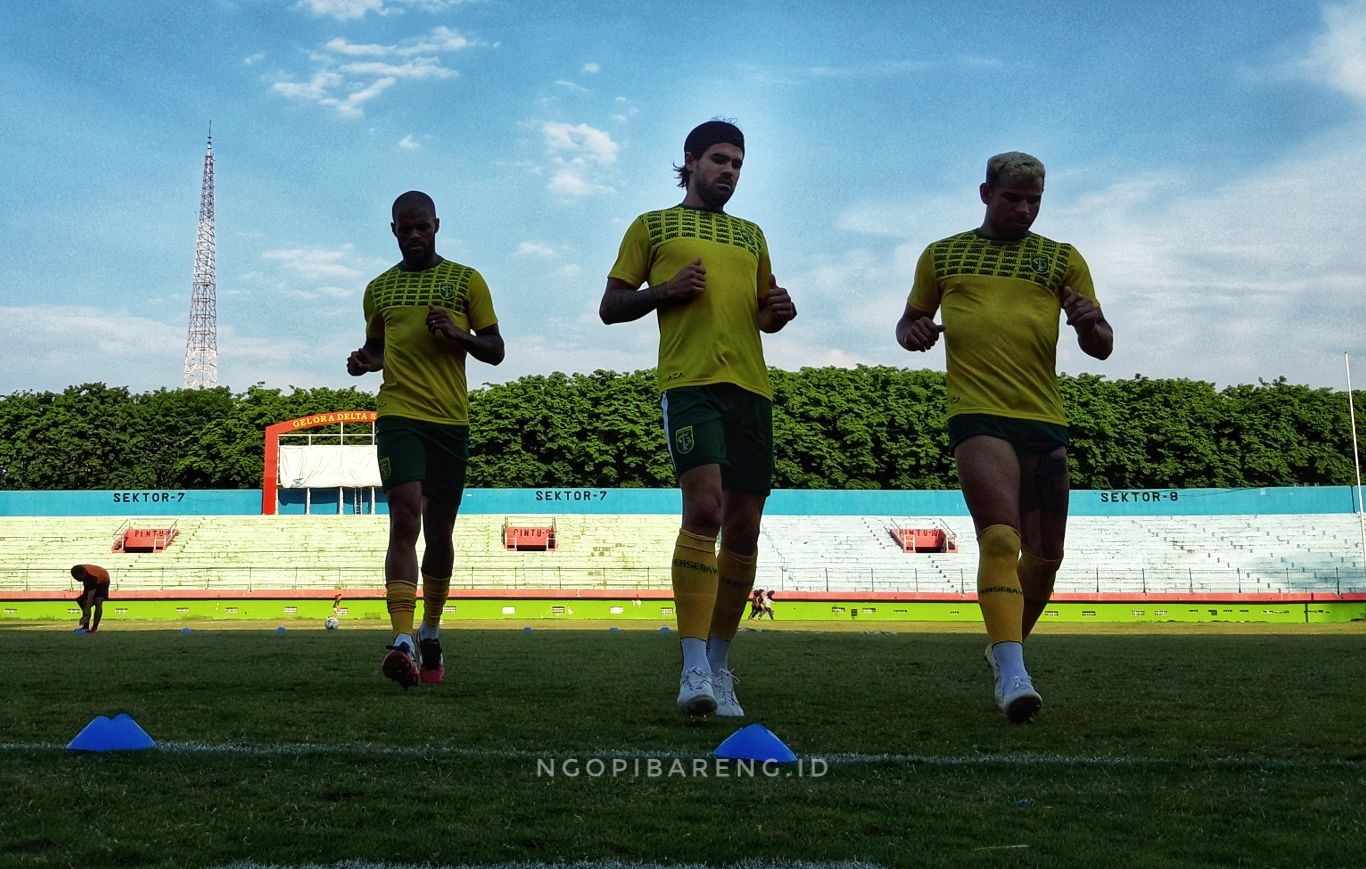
(1079, 276)
(633, 260)
(926, 292)
(479, 307)
(374, 323)
(765, 269)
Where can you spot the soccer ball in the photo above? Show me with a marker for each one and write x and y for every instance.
(332, 623)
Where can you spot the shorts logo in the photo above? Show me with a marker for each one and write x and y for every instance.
(1040, 265)
(384, 469)
(447, 292)
(683, 440)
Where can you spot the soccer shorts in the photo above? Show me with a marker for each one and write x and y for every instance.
(412, 449)
(101, 591)
(1026, 435)
(721, 424)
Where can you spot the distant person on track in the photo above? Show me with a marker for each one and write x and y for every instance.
(710, 283)
(756, 604)
(422, 318)
(94, 582)
(768, 603)
(1001, 289)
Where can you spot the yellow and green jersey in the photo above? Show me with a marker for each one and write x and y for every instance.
(1001, 303)
(715, 337)
(424, 374)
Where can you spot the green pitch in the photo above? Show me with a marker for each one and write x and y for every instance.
(1157, 747)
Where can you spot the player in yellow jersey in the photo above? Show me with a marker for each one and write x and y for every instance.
(709, 281)
(422, 318)
(1001, 290)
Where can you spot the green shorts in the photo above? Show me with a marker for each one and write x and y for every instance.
(411, 449)
(721, 424)
(1026, 435)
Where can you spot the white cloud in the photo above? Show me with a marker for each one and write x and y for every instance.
(1336, 57)
(536, 249)
(408, 143)
(253, 59)
(118, 347)
(352, 49)
(350, 10)
(591, 68)
(569, 181)
(571, 86)
(583, 142)
(317, 264)
(347, 75)
(578, 153)
(419, 68)
(342, 10)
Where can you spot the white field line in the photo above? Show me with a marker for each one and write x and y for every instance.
(1003, 760)
(579, 864)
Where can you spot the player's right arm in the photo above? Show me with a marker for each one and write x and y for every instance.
(916, 330)
(370, 357)
(622, 303)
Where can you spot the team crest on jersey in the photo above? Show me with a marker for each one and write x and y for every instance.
(683, 440)
(447, 292)
(1040, 265)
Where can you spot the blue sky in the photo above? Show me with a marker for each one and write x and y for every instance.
(1207, 159)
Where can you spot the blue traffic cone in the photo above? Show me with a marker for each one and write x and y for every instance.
(280, 630)
(664, 630)
(614, 629)
(121, 733)
(526, 630)
(184, 630)
(755, 742)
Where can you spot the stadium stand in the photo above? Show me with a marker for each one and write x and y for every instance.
(811, 553)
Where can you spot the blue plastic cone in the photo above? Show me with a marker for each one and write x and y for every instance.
(613, 629)
(280, 629)
(184, 630)
(755, 742)
(664, 630)
(526, 630)
(121, 733)
(80, 632)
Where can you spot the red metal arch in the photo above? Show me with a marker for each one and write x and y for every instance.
(270, 479)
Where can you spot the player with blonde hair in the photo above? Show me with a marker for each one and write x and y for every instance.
(1001, 289)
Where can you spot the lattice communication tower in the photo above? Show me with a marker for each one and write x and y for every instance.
(201, 347)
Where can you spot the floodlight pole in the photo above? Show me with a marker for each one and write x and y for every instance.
(1356, 459)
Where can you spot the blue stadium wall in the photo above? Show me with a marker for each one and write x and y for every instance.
(789, 502)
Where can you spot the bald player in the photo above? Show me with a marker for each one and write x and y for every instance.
(709, 282)
(1002, 290)
(423, 317)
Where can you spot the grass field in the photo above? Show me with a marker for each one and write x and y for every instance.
(1183, 746)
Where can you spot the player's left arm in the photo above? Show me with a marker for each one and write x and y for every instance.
(484, 344)
(776, 309)
(1094, 335)
(483, 341)
(1078, 297)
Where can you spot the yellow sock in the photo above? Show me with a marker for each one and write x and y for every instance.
(401, 597)
(694, 581)
(998, 586)
(434, 594)
(1036, 582)
(735, 574)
